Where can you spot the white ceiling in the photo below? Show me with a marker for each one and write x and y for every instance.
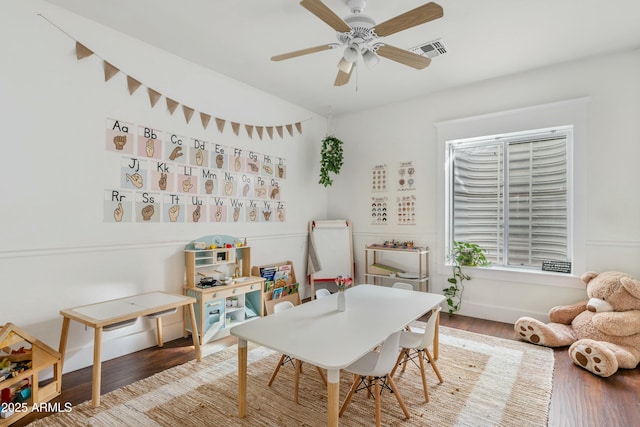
(485, 39)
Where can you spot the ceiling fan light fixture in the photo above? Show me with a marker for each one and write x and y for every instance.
(370, 58)
(351, 53)
(345, 66)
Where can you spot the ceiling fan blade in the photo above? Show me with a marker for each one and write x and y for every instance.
(403, 56)
(419, 15)
(324, 13)
(302, 52)
(343, 78)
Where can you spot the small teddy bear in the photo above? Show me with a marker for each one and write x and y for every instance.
(603, 332)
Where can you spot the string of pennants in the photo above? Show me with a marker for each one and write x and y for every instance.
(154, 96)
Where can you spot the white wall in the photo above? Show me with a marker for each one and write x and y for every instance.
(55, 250)
(607, 200)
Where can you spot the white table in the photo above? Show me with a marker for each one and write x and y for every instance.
(331, 339)
(120, 312)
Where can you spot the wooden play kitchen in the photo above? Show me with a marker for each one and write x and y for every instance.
(218, 276)
(23, 358)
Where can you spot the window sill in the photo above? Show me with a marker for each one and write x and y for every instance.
(508, 274)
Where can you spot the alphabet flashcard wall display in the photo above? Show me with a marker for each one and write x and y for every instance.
(170, 178)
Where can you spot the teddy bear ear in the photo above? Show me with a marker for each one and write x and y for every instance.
(589, 276)
(631, 285)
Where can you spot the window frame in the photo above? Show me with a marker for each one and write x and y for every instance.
(504, 140)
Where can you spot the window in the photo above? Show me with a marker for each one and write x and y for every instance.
(511, 195)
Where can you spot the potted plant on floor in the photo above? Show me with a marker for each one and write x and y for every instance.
(331, 159)
(463, 254)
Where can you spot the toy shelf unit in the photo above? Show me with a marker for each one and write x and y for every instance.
(388, 264)
(23, 359)
(230, 295)
(280, 284)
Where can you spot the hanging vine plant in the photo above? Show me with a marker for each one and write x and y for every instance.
(332, 159)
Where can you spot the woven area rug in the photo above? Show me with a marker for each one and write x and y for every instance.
(487, 382)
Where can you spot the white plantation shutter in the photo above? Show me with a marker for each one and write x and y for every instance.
(510, 196)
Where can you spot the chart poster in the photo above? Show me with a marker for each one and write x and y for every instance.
(246, 188)
(406, 176)
(237, 211)
(198, 153)
(268, 167)
(281, 169)
(187, 179)
(218, 209)
(252, 211)
(266, 211)
(173, 208)
(229, 185)
(281, 212)
(118, 206)
(120, 136)
(379, 210)
(150, 143)
(219, 157)
(261, 188)
(147, 207)
(209, 184)
(196, 209)
(379, 178)
(162, 176)
(133, 174)
(407, 210)
(175, 147)
(274, 189)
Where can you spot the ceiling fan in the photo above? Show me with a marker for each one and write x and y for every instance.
(361, 36)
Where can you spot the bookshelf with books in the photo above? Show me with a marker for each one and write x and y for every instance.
(280, 284)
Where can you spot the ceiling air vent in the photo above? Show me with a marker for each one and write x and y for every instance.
(431, 49)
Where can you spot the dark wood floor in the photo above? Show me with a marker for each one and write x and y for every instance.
(579, 398)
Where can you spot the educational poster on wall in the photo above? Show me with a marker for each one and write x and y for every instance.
(406, 180)
(379, 210)
(169, 178)
(379, 178)
(406, 210)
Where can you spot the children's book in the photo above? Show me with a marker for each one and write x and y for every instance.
(277, 293)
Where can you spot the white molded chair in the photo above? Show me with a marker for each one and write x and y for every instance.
(321, 293)
(415, 345)
(373, 370)
(284, 359)
(401, 285)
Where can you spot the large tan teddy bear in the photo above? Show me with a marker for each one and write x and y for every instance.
(603, 331)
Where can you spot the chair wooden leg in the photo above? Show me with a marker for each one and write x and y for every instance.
(321, 372)
(376, 388)
(424, 376)
(433, 365)
(347, 400)
(393, 371)
(275, 371)
(296, 381)
(392, 384)
(406, 360)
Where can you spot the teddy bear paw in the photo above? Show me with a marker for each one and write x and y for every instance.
(529, 330)
(594, 357)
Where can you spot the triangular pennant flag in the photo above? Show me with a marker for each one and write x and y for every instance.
(133, 84)
(188, 112)
(205, 119)
(270, 131)
(109, 71)
(153, 96)
(82, 51)
(259, 129)
(236, 127)
(249, 129)
(299, 127)
(279, 129)
(220, 123)
(171, 105)
(290, 129)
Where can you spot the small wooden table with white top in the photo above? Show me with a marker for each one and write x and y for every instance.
(120, 312)
(332, 339)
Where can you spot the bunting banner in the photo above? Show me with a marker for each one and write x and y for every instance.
(133, 84)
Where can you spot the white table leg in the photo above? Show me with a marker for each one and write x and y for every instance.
(242, 378)
(333, 397)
